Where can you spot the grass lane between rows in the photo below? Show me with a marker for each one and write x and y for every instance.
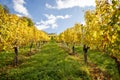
(50, 63)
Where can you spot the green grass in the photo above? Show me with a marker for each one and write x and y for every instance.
(103, 61)
(50, 63)
(54, 63)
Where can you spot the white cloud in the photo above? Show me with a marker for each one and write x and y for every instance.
(20, 8)
(41, 27)
(19, 15)
(51, 21)
(62, 4)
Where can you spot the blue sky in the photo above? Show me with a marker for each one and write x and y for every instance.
(52, 16)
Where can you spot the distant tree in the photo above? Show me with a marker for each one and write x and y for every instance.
(6, 9)
(30, 22)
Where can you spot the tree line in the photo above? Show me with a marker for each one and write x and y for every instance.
(18, 32)
(101, 30)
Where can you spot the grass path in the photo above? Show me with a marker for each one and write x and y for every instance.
(51, 63)
(100, 66)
